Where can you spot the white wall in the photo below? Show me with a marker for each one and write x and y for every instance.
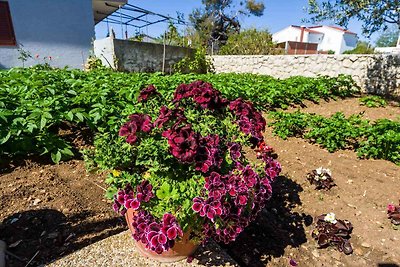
(62, 29)
(287, 34)
(336, 40)
(332, 39)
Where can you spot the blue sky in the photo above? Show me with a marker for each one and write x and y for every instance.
(278, 14)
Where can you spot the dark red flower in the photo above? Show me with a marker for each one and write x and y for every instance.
(183, 143)
(147, 92)
(167, 115)
(136, 123)
(208, 154)
(202, 93)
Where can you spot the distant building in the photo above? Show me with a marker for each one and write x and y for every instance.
(389, 50)
(60, 31)
(316, 39)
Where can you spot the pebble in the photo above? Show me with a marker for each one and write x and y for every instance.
(315, 253)
(358, 251)
(36, 201)
(365, 245)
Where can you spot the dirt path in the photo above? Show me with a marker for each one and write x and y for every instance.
(53, 210)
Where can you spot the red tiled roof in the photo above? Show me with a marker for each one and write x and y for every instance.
(306, 29)
(336, 28)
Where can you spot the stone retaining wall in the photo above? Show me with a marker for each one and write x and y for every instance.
(379, 74)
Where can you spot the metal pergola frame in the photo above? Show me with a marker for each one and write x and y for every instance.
(137, 17)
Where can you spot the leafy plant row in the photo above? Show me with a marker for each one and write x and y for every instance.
(378, 140)
(36, 102)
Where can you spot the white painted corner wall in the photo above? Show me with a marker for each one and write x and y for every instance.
(63, 31)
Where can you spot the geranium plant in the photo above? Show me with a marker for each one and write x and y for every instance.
(393, 212)
(321, 178)
(189, 172)
(329, 231)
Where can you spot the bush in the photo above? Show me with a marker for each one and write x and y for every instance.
(250, 42)
(379, 140)
(361, 48)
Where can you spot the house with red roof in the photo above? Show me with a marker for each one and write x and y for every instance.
(322, 38)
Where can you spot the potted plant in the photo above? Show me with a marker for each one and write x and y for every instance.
(190, 178)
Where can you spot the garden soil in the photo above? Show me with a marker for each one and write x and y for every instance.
(47, 210)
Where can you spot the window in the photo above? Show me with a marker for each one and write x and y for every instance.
(7, 36)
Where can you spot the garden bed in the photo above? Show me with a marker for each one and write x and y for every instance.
(34, 190)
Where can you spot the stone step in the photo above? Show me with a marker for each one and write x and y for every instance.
(120, 250)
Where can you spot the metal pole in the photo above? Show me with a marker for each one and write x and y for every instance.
(122, 26)
(163, 61)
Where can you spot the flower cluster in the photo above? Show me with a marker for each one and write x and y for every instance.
(183, 142)
(156, 236)
(126, 199)
(232, 202)
(394, 213)
(147, 92)
(329, 231)
(202, 93)
(321, 178)
(136, 123)
(167, 115)
(208, 154)
(234, 191)
(250, 121)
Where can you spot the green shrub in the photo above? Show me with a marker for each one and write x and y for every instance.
(380, 139)
(250, 42)
(373, 101)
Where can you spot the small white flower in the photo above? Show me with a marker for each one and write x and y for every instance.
(328, 171)
(330, 217)
(319, 170)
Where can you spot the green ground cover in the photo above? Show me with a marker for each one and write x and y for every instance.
(36, 102)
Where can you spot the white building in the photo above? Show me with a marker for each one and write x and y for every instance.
(389, 50)
(57, 32)
(327, 37)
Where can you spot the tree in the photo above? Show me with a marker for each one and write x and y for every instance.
(219, 18)
(375, 14)
(172, 36)
(250, 42)
(361, 48)
(388, 38)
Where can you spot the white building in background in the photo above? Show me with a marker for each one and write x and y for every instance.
(389, 50)
(62, 30)
(327, 37)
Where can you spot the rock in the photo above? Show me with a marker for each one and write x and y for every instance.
(36, 201)
(358, 251)
(315, 253)
(365, 245)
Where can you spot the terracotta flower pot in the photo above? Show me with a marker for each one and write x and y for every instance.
(181, 250)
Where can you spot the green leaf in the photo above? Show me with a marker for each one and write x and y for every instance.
(164, 191)
(5, 139)
(79, 116)
(67, 152)
(70, 116)
(56, 157)
(43, 121)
